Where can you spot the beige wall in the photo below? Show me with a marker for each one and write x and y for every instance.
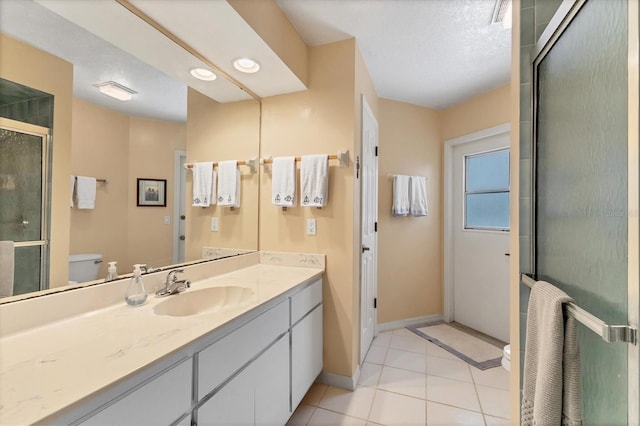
(100, 149)
(219, 132)
(482, 112)
(409, 248)
(152, 147)
(32, 67)
(121, 148)
(320, 120)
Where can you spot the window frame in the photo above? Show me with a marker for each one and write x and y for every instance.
(466, 192)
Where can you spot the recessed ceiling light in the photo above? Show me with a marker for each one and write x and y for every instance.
(203, 74)
(246, 65)
(115, 90)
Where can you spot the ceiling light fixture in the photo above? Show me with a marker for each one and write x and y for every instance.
(203, 74)
(246, 65)
(115, 90)
(502, 13)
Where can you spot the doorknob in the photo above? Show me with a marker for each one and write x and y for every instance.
(182, 217)
(181, 237)
(365, 248)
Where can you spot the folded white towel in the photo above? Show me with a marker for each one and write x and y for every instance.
(314, 180)
(73, 186)
(6, 268)
(283, 182)
(418, 193)
(228, 184)
(204, 184)
(401, 205)
(86, 192)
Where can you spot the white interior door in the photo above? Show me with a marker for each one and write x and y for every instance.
(369, 250)
(179, 202)
(481, 235)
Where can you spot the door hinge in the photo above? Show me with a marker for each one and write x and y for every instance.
(375, 227)
(375, 303)
(376, 151)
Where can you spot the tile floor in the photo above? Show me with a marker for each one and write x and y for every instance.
(406, 380)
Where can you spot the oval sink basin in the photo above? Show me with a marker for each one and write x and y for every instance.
(206, 300)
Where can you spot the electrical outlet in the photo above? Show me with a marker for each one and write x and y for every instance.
(167, 220)
(311, 227)
(214, 224)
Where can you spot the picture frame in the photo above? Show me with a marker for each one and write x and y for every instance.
(152, 192)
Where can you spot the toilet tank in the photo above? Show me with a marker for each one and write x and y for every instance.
(84, 267)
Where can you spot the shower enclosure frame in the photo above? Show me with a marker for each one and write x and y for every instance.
(43, 242)
(560, 21)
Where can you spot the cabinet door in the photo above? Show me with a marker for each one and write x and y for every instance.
(306, 354)
(233, 404)
(159, 402)
(272, 384)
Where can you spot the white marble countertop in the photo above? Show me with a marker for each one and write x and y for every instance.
(49, 368)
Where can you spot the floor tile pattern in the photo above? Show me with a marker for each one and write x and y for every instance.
(406, 381)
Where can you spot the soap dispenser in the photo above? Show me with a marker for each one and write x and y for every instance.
(136, 294)
(112, 273)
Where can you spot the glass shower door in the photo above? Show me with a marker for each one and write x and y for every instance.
(23, 201)
(582, 206)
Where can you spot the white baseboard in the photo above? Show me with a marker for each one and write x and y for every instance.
(339, 381)
(393, 325)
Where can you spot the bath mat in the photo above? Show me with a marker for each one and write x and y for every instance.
(471, 348)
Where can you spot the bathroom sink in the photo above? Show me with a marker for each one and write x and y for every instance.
(206, 300)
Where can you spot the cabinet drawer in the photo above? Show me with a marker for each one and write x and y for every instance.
(305, 300)
(222, 359)
(142, 406)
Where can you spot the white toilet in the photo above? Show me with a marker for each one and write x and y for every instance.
(506, 357)
(84, 267)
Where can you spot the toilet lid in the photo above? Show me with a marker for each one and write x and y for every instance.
(507, 351)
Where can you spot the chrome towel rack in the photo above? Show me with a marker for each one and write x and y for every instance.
(609, 333)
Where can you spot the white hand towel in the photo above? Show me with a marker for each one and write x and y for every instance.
(228, 184)
(314, 180)
(283, 182)
(401, 205)
(204, 184)
(418, 192)
(86, 192)
(6, 268)
(73, 186)
(551, 389)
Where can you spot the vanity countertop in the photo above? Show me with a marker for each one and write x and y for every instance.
(49, 368)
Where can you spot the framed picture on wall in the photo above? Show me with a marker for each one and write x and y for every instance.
(152, 192)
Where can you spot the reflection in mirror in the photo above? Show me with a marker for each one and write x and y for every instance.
(95, 136)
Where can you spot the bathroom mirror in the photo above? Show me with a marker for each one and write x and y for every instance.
(119, 146)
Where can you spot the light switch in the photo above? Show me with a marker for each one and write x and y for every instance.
(214, 224)
(311, 227)
(167, 220)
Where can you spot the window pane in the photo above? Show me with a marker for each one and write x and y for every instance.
(488, 171)
(487, 210)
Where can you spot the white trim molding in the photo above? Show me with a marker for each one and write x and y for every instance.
(340, 381)
(409, 322)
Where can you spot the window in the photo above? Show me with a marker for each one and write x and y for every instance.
(486, 191)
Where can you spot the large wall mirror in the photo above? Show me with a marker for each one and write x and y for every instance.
(172, 120)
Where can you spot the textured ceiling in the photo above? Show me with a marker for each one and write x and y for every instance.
(434, 53)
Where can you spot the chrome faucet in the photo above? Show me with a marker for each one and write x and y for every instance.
(173, 285)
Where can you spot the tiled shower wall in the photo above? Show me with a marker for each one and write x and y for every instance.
(535, 15)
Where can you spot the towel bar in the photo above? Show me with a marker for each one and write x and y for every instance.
(609, 333)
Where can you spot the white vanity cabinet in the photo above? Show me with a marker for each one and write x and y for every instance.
(235, 373)
(256, 374)
(306, 340)
(161, 400)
